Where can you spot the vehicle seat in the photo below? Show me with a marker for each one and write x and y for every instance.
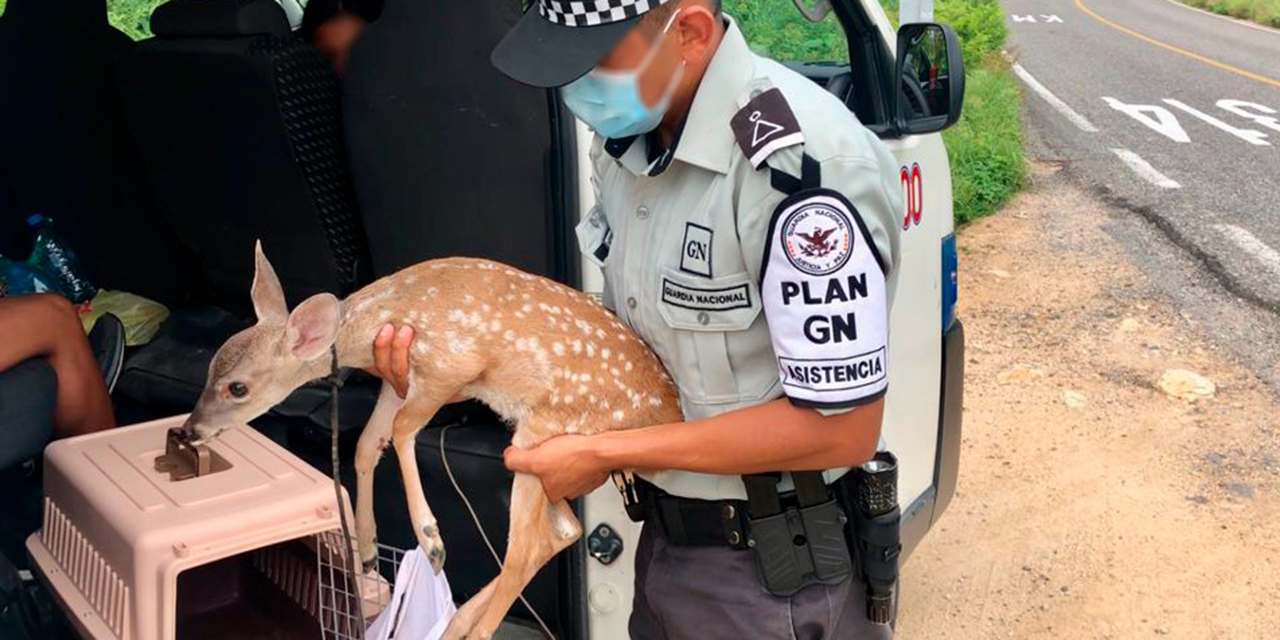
(449, 156)
(240, 127)
(841, 86)
(65, 150)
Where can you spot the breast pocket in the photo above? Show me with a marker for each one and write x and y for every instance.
(722, 354)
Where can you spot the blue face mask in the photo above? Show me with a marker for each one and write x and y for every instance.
(609, 101)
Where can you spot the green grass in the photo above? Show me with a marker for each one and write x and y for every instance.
(985, 147)
(1265, 12)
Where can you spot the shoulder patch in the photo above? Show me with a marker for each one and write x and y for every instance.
(765, 125)
(825, 295)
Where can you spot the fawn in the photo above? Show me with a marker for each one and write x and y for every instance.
(546, 358)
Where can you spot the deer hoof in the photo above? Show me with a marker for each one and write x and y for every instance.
(433, 546)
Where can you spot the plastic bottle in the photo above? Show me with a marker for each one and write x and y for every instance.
(53, 255)
(18, 278)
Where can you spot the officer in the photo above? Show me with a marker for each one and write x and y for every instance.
(744, 227)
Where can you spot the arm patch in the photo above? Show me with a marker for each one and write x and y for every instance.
(824, 293)
(765, 125)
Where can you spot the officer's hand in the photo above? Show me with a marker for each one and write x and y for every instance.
(567, 466)
(391, 357)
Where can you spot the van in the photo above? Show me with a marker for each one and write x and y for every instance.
(162, 160)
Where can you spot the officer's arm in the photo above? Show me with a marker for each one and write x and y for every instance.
(773, 436)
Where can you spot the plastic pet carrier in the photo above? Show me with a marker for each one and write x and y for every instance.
(249, 550)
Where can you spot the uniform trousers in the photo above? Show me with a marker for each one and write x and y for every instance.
(714, 593)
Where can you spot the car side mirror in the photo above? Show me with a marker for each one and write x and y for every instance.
(930, 70)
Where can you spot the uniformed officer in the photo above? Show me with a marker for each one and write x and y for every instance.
(744, 225)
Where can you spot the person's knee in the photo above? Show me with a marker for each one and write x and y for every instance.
(54, 307)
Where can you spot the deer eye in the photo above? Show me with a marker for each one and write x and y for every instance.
(238, 389)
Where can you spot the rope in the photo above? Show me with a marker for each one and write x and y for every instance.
(335, 383)
(476, 519)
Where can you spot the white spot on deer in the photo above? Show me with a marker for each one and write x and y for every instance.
(485, 307)
(627, 366)
(655, 401)
(525, 296)
(615, 372)
(568, 399)
(519, 315)
(600, 333)
(557, 348)
(384, 314)
(577, 346)
(460, 344)
(591, 349)
(604, 353)
(618, 415)
(582, 390)
(468, 298)
(586, 377)
(410, 279)
(494, 325)
(623, 337)
(604, 366)
(431, 291)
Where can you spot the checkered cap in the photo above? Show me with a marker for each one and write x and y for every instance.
(589, 13)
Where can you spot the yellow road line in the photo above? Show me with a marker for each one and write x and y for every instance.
(1164, 45)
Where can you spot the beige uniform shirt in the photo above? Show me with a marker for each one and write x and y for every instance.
(748, 293)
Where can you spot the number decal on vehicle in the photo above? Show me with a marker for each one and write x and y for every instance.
(913, 188)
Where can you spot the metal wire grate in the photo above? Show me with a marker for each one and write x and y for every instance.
(346, 610)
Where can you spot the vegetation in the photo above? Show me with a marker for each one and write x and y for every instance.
(985, 147)
(1261, 11)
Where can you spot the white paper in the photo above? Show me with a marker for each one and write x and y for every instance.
(421, 603)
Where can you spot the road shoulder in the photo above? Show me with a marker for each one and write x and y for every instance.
(1090, 502)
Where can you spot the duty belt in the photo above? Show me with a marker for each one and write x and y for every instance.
(685, 522)
(724, 523)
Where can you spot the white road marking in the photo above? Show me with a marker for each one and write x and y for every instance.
(1241, 108)
(1078, 120)
(1252, 136)
(1243, 23)
(1145, 170)
(1156, 117)
(1270, 258)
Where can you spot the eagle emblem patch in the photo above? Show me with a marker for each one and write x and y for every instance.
(817, 239)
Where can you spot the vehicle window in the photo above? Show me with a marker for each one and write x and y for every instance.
(774, 28)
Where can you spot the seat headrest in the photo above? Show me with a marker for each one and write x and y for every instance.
(219, 19)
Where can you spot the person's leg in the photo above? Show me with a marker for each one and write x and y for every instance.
(47, 326)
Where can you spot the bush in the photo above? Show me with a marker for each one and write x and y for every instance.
(1261, 11)
(775, 29)
(979, 23)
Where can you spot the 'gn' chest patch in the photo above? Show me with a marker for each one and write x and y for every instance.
(695, 250)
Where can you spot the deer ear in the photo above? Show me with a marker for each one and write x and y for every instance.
(313, 326)
(268, 297)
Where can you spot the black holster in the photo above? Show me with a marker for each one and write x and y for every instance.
(799, 545)
(870, 494)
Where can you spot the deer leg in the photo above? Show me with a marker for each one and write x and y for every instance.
(418, 408)
(375, 437)
(539, 530)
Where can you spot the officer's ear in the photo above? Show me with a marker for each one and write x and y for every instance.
(696, 28)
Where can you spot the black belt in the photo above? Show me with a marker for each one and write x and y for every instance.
(689, 522)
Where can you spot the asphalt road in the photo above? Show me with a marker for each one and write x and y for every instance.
(1172, 115)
